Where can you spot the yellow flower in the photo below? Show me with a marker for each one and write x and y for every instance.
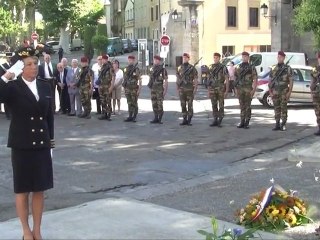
(275, 212)
(291, 219)
(270, 210)
(282, 211)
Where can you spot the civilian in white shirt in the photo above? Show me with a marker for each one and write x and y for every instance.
(117, 89)
(95, 95)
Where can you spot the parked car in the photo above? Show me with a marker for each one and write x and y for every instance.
(134, 44)
(300, 91)
(227, 60)
(54, 44)
(115, 46)
(127, 46)
(75, 44)
(46, 48)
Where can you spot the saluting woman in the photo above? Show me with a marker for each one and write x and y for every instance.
(30, 138)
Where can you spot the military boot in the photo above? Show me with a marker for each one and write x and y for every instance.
(156, 119)
(219, 121)
(246, 124)
(134, 117)
(189, 121)
(88, 115)
(241, 124)
(103, 116)
(283, 126)
(277, 127)
(318, 132)
(160, 118)
(109, 117)
(83, 115)
(214, 123)
(129, 119)
(184, 122)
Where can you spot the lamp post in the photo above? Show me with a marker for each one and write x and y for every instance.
(264, 10)
(108, 16)
(175, 15)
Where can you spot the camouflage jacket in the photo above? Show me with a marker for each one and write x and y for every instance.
(157, 76)
(131, 76)
(280, 77)
(85, 78)
(106, 74)
(217, 75)
(245, 74)
(315, 83)
(185, 80)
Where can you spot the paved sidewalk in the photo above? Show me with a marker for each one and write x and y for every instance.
(116, 218)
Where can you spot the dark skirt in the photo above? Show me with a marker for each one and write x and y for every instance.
(32, 170)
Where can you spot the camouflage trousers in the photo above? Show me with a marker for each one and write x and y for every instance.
(217, 98)
(157, 101)
(105, 98)
(244, 96)
(186, 99)
(280, 105)
(316, 104)
(132, 100)
(85, 98)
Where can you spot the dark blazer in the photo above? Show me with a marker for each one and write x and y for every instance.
(32, 121)
(57, 76)
(41, 70)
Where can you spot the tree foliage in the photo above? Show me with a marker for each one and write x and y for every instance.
(307, 19)
(100, 43)
(89, 32)
(8, 26)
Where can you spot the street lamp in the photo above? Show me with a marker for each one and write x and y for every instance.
(264, 10)
(175, 15)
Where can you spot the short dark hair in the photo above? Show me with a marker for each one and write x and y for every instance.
(117, 62)
(232, 62)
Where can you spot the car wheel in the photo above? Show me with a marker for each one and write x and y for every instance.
(267, 100)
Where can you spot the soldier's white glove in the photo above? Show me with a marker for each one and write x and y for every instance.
(16, 69)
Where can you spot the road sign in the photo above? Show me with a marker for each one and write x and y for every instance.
(165, 40)
(34, 36)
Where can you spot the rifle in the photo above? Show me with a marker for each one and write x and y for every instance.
(275, 79)
(180, 82)
(153, 76)
(214, 74)
(82, 75)
(125, 81)
(244, 72)
(102, 72)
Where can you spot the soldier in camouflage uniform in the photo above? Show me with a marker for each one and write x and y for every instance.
(245, 87)
(105, 80)
(280, 88)
(158, 83)
(132, 85)
(218, 85)
(187, 83)
(315, 91)
(85, 87)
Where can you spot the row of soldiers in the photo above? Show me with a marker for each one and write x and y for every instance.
(280, 88)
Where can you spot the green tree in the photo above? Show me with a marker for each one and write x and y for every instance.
(307, 18)
(89, 31)
(8, 26)
(100, 43)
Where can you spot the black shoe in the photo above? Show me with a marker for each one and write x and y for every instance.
(128, 119)
(83, 115)
(219, 122)
(317, 133)
(189, 121)
(241, 124)
(108, 117)
(71, 114)
(283, 126)
(103, 117)
(134, 118)
(214, 123)
(277, 127)
(155, 120)
(184, 122)
(246, 124)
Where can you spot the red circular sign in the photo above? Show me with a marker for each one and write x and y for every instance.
(34, 36)
(165, 40)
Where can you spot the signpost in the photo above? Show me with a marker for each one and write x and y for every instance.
(165, 42)
(35, 37)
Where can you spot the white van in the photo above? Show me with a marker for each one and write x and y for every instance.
(264, 60)
(75, 44)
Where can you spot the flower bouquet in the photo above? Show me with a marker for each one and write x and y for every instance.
(273, 209)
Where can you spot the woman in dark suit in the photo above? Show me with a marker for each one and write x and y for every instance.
(30, 138)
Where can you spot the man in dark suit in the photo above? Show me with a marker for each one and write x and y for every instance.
(46, 72)
(3, 68)
(61, 82)
(30, 138)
